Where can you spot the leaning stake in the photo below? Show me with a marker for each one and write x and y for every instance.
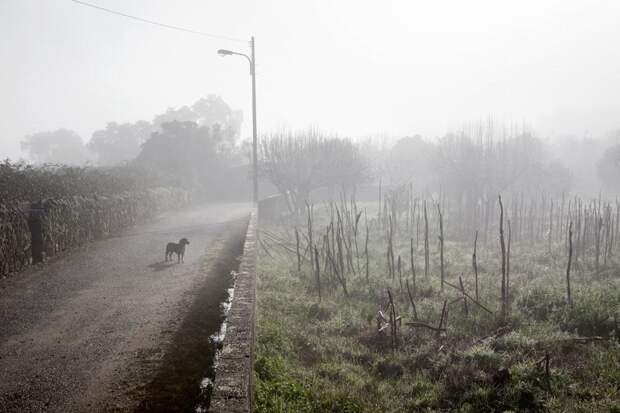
(570, 258)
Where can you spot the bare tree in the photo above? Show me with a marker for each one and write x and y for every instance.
(297, 163)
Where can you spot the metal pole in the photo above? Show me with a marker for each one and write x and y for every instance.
(254, 137)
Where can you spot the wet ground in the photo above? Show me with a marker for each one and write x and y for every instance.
(111, 327)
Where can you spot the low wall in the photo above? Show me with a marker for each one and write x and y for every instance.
(234, 388)
(33, 232)
(272, 207)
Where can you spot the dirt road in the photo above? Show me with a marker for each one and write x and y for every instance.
(95, 329)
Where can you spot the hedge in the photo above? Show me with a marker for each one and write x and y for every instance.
(32, 232)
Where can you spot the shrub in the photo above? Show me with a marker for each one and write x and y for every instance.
(539, 303)
(22, 182)
(387, 369)
(592, 313)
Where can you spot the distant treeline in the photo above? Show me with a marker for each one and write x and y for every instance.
(468, 169)
(122, 142)
(194, 147)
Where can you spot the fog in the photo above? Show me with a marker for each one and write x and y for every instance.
(355, 69)
(424, 215)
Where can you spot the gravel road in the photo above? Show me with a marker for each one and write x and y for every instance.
(90, 330)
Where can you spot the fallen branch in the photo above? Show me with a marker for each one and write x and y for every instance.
(470, 297)
(424, 325)
(454, 301)
(283, 246)
(464, 297)
(273, 236)
(265, 248)
(584, 340)
(496, 334)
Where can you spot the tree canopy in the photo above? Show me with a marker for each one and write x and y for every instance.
(62, 146)
(119, 142)
(209, 111)
(608, 168)
(189, 152)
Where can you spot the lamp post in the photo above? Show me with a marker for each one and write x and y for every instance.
(252, 60)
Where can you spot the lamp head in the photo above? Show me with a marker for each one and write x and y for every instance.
(224, 52)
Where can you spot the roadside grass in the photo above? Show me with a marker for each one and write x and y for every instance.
(328, 356)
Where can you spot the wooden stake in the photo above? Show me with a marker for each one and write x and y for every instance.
(464, 296)
(474, 262)
(366, 249)
(443, 314)
(297, 250)
(413, 269)
(441, 263)
(508, 263)
(503, 256)
(310, 242)
(400, 276)
(317, 271)
(547, 372)
(426, 252)
(415, 312)
(570, 257)
(393, 322)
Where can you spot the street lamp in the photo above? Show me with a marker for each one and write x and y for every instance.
(252, 60)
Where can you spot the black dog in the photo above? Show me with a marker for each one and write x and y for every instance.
(178, 249)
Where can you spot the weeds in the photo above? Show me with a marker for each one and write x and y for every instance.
(333, 355)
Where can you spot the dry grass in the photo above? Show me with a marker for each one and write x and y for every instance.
(329, 356)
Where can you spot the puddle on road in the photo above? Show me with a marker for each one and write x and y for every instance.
(185, 380)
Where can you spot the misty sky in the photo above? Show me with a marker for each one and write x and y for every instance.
(356, 68)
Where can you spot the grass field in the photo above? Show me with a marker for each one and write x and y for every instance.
(329, 355)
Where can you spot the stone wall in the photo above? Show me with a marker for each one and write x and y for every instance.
(233, 389)
(33, 232)
(70, 222)
(15, 237)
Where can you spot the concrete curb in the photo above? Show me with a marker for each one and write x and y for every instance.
(234, 378)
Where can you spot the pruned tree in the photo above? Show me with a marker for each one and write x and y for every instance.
(298, 162)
